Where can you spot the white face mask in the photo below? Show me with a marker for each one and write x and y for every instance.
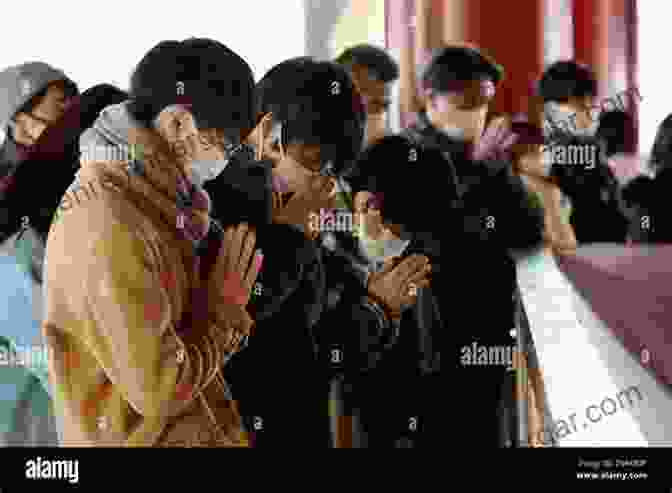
(453, 131)
(205, 168)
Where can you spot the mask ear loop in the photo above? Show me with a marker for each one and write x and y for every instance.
(260, 140)
(276, 136)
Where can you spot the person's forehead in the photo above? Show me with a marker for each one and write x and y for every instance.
(55, 91)
(368, 84)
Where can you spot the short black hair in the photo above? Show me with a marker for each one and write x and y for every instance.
(459, 63)
(380, 65)
(218, 84)
(566, 79)
(411, 179)
(316, 103)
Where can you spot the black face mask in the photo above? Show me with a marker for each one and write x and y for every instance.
(242, 191)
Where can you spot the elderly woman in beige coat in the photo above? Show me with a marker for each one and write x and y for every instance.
(145, 299)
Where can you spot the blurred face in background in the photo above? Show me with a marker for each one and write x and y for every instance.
(584, 113)
(376, 97)
(461, 113)
(46, 111)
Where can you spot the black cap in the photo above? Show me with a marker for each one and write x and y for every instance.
(454, 64)
(217, 84)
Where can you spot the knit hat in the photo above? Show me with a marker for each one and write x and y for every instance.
(213, 81)
(18, 84)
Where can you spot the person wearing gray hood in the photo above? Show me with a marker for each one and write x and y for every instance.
(41, 117)
(33, 97)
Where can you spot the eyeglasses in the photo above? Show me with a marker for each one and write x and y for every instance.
(311, 161)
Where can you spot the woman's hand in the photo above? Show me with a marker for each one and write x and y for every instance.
(396, 285)
(496, 142)
(558, 231)
(234, 275)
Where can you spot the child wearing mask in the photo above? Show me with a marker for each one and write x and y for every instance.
(384, 371)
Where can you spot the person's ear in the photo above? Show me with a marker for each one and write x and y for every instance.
(270, 141)
(429, 100)
(262, 123)
(359, 201)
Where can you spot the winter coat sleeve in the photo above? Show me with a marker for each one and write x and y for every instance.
(353, 331)
(516, 220)
(598, 213)
(130, 328)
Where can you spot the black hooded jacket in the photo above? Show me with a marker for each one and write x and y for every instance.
(497, 222)
(473, 297)
(598, 213)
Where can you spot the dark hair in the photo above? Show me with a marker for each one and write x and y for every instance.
(452, 64)
(661, 152)
(566, 79)
(410, 178)
(316, 103)
(69, 88)
(380, 65)
(218, 84)
(616, 133)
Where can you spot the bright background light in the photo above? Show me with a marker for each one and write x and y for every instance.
(653, 81)
(98, 42)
